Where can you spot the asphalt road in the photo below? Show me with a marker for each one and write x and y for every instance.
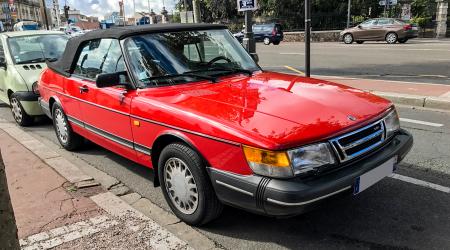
(425, 61)
(391, 214)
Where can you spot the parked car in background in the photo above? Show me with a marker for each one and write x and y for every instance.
(26, 25)
(22, 58)
(189, 101)
(390, 30)
(73, 30)
(266, 33)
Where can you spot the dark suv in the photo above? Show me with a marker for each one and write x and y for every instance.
(267, 33)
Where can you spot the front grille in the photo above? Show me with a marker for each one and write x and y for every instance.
(359, 142)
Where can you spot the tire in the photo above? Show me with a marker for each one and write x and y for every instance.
(404, 40)
(348, 38)
(180, 167)
(68, 139)
(359, 42)
(20, 116)
(276, 43)
(266, 41)
(391, 38)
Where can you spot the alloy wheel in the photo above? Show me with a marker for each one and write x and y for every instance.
(391, 38)
(181, 186)
(348, 39)
(61, 126)
(266, 41)
(16, 110)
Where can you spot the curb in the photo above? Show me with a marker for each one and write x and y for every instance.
(432, 102)
(118, 201)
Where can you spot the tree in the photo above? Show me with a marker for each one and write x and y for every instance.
(8, 228)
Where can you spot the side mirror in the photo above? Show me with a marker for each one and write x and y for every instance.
(111, 80)
(255, 57)
(2, 62)
(360, 27)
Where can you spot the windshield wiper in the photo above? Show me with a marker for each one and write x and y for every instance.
(36, 60)
(230, 70)
(187, 74)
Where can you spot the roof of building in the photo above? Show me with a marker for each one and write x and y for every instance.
(31, 33)
(65, 63)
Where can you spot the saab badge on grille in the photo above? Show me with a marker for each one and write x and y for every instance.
(351, 118)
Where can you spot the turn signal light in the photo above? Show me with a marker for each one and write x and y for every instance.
(277, 159)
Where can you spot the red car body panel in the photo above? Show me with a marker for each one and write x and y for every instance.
(268, 110)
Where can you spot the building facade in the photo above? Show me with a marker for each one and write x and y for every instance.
(12, 11)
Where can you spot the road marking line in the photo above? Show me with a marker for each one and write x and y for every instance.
(420, 183)
(292, 53)
(295, 70)
(421, 122)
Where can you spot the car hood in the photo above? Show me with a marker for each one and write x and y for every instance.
(269, 110)
(30, 72)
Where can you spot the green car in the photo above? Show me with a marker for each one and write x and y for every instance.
(23, 56)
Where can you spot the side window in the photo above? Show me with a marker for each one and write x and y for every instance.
(191, 52)
(99, 56)
(384, 22)
(368, 23)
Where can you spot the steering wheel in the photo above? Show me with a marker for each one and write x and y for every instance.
(216, 59)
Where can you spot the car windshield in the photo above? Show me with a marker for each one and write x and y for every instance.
(36, 48)
(182, 57)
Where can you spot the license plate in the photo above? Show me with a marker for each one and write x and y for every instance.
(375, 175)
(415, 28)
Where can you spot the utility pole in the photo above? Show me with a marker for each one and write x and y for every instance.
(249, 40)
(308, 38)
(349, 12)
(134, 12)
(186, 10)
(196, 10)
(44, 6)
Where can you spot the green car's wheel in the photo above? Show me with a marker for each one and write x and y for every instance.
(19, 114)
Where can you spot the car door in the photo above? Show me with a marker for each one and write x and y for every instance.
(365, 30)
(105, 111)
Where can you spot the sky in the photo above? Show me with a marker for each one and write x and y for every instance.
(101, 8)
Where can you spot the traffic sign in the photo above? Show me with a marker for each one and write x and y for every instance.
(391, 2)
(244, 5)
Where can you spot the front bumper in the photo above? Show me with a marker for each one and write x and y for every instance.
(29, 102)
(276, 197)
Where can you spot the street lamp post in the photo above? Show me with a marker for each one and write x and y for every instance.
(307, 38)
(349, 12)
(249, 40)
(45, 14)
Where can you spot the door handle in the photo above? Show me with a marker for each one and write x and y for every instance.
(83, 89)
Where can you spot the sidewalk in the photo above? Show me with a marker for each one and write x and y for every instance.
(409, 93)
(52, 212)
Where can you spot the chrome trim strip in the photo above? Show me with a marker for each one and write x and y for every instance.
(234, 188)
(148, 120)
(282, 203)
(122, 141)
(75, 121)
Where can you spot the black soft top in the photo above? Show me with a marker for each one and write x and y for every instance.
(64, 64)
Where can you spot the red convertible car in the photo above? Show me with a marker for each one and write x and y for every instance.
(191, 103)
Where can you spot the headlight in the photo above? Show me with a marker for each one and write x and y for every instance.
(311, 158)
(282, 164)
(35, 88)
(392, 123)
(268, 163)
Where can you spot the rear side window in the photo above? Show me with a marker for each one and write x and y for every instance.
(98, 57)
(385, 21)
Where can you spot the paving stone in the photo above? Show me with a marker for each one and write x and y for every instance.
(98, 219)
(38, 237)
(59, 231)
(78, 226)
(67, 170)
(23, 242)
(72, 236)
(51, 243)
(131, 198)
(119, 190)
(86, 184)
